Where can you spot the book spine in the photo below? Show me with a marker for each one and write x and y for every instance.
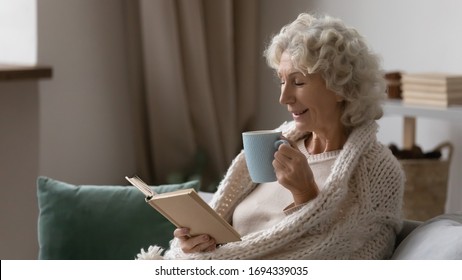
(429, 80)
(431, 88)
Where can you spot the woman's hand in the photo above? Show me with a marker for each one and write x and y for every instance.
(294, 173)
(194, 244)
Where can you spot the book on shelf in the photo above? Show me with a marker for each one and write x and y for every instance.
(432, 95)
(185, 208)
(441, 79)
(446, 88)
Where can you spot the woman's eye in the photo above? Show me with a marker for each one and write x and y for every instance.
(299, 83)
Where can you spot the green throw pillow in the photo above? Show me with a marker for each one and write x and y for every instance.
(99, 222)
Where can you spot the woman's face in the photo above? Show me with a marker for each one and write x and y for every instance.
(314, 107)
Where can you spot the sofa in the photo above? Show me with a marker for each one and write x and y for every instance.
(114, 222)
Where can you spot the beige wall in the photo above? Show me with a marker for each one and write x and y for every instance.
(18, 169)
(85, 112)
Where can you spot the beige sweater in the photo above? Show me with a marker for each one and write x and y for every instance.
(269, 203)
(356, 215)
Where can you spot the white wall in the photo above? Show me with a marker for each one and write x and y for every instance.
(18, 36)
(411, 36)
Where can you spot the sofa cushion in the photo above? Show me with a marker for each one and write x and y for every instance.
(438, 239)
(98, 222)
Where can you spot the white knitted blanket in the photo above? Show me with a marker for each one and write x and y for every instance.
(356, 215)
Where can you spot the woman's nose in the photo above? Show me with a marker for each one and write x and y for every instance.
(286, 96)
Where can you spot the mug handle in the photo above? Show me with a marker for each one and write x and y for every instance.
(280, 142)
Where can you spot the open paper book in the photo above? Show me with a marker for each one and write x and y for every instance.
(185, 208)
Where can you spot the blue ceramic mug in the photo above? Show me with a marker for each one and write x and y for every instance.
(259, 149)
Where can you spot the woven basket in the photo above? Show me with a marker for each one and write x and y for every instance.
(426, 185)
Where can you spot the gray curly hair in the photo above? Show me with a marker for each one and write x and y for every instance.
(339, 53)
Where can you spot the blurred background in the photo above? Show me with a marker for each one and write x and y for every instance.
(164, 88)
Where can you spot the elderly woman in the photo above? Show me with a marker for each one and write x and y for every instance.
(338, 193)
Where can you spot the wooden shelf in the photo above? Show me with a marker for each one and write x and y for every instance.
(23, 72)
(396, 107)
(411, 112)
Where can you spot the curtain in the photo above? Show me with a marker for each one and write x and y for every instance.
(192, 72)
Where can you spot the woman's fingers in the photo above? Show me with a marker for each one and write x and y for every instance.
(181, 233)
(194, 244)
(197, 244)
(284, 155)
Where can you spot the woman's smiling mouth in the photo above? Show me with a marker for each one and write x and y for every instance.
(299, 113)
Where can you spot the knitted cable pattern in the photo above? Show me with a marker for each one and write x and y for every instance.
(356, 215)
